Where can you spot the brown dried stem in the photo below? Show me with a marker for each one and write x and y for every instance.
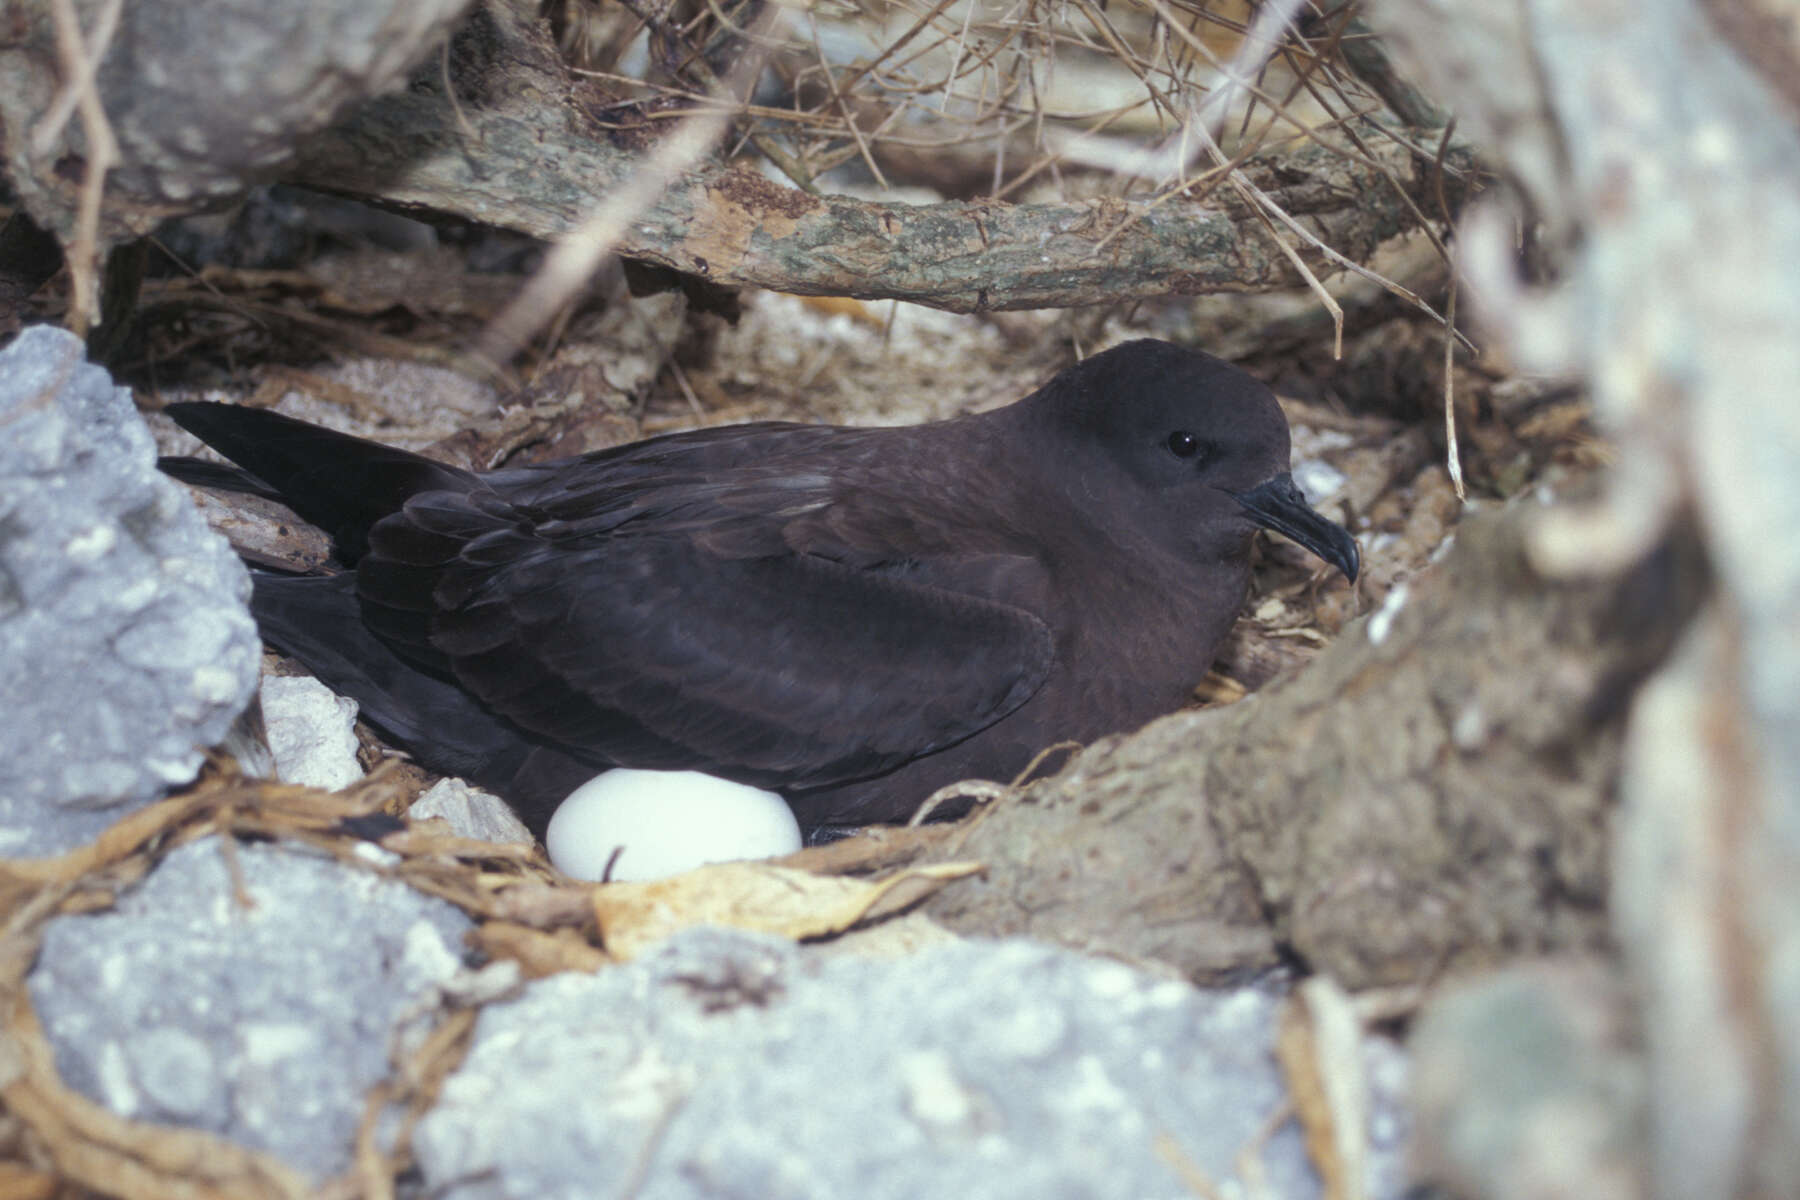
(79, 62)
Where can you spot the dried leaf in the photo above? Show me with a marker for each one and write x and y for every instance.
(635, 916)
(833, 306)
(538, 953)
(1319, 1046)
(19, 1182)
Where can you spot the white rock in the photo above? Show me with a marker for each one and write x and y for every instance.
(471, 812)
(1382, 623)
(312, 732)
(1318, 480)
(663, 823)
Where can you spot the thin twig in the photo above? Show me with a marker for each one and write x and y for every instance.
(102, 156)
(1454, 459)
(1268, 205)
(1251, 1172)
(1265, 209)
(741, 82)
(462, 121)
(962, 41)
(895, 46)
(1399, 189)
(843, 104)
(573, 259)
(80, 78)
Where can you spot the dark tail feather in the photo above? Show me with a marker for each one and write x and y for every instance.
(340, 483)
(316, 619)
(221, 477)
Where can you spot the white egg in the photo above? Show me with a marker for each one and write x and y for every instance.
(663, 823)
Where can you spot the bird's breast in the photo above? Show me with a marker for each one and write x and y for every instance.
(1138, 644)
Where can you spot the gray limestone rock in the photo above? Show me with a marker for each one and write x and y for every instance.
(732, 1065)
(126, 647)
(265, 1023)
(470, 812)
(311, 732)
(204, 97)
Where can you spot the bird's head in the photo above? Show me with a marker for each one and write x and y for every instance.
(1202, 445)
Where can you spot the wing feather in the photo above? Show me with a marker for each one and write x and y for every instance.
(678, 627)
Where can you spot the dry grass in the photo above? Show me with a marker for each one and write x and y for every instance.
(972, 99)
(1001, 96)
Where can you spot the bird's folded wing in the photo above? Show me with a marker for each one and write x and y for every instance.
(652, 648)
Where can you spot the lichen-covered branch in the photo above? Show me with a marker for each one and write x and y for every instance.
(519, 149)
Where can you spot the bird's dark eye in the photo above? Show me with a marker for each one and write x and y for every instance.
(1183, 444)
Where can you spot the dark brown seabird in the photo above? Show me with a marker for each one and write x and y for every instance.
(850, 617)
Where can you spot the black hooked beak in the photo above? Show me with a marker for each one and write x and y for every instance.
(1278, 505)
